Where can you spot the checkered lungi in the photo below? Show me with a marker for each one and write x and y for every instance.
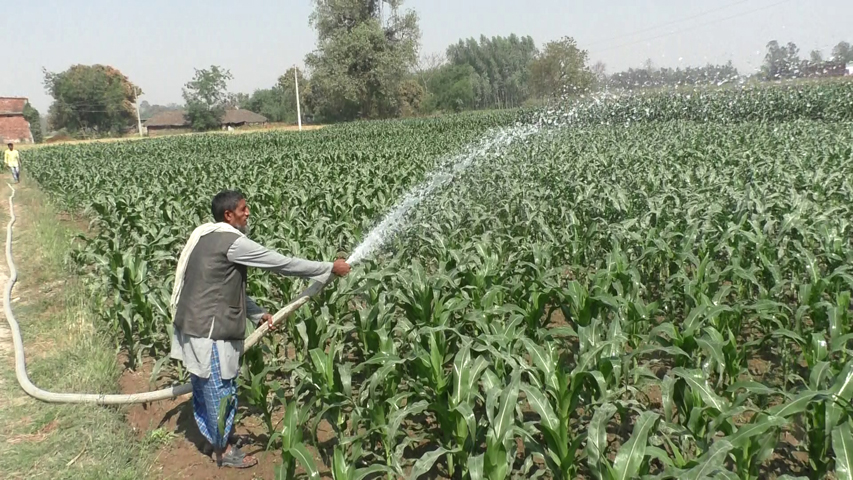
(214, 403)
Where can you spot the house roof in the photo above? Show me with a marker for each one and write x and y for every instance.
(14, 129)
(177, 118)
(12, 105)
(172, 118)
(242, 116)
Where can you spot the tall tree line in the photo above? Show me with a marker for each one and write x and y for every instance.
(368, 64)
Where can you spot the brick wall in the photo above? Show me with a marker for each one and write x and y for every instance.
(15, 129)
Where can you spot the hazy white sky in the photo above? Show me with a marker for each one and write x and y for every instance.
(157, 43)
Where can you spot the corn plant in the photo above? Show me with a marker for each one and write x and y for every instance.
(669, 267)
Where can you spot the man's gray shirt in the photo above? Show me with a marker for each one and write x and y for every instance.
(195, 351)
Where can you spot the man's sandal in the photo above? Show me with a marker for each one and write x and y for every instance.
(235, 458)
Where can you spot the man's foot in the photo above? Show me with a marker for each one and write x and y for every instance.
(235, 458)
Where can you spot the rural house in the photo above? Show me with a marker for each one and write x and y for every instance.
(14, 127)
(176, 120)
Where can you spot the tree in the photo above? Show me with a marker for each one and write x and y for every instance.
(451, 88)
(237, 100)
(599, 71)
(816, 57)
(361, 60)
(32, 116)
(206, 96)
(560, 68)
(427, 66)
(642, 77)
(781, 62)
(278, 103)
(842, 53)
(91, 98)
(501, 68)
(146, 110)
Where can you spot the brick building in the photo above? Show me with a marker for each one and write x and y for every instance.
(14, 127)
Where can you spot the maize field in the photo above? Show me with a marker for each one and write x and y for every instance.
(650, 286)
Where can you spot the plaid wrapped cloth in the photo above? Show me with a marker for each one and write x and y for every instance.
(214, 403)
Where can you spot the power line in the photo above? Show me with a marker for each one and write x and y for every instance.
(655, 27)
(693, 27)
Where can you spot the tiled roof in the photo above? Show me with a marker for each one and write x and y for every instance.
(176, 118)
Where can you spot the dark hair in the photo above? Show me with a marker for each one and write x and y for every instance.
(224, 201)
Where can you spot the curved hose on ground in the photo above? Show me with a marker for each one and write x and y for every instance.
(111, 399)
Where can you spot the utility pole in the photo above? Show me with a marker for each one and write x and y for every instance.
(138, 118)
(298, 109)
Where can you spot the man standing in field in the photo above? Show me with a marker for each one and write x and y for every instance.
(210, 306)
(13, 161)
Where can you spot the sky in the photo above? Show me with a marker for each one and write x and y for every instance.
(158, 43)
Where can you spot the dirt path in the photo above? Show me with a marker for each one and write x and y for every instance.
(7, 351)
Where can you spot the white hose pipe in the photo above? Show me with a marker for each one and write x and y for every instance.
(111, 399)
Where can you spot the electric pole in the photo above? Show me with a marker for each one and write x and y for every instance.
(136, 104)
(298, 109)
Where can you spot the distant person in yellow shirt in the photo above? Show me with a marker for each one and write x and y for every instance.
(13, 161)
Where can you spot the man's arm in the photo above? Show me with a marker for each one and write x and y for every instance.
(254, 311)
(249, 253)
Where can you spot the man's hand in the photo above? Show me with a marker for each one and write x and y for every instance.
(268, 318)
(340, 268)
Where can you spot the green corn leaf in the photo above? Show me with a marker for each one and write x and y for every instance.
(540, 404)
(541, 359)
(842, 446)
(753, 388)
(711, 462)
(842, 394)
(744, 435)
(303, 456)
(795, 406)
(840, 342)
(425, 463)
(818, 375)
(696, 380)
(395, 419)
(596, 443)
(361, 473)
(503, 421)
(475, 467)
(629, 459)
(467, 412)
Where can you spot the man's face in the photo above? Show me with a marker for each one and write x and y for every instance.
(239, 218)
(10, 146)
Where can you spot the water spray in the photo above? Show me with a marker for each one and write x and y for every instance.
(493, 144)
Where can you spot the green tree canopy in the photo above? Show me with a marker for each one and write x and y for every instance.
(146, 110)
(32, 116)
(206, 96)
(362, 59)
(91, 98)
(781, 61)
(843, 52)
(561, 68)
(451, 88)
(501, 66)
(278, 103)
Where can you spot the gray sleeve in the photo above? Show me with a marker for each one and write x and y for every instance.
(253, 310)
(249, 253)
